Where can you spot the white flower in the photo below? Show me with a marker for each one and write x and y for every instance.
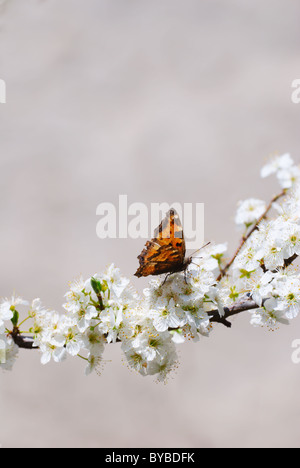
(163, 367)
(80, 306)
(262, 287)
(249, 211)
(36, 308)
(200, 282)
(222, 296)
(5, 314)
(248, 259)
(283, 166)
(7, 308)
(136, 360)
(116, 283)
(49, 351)
(73, 341)
(288, 177)
(178, 336)
(151, 344)
(182, 291)
(78, 299)
(94, 341)
(197, 318)
(273, 256)
(51, 336)
(210, 258)
(111, 321)
(287, 290)
(291, 240)
(268, 315)
(8, 352)
(165, 315)
(157, 290)
(84, 319)
(151, 353)
(278, 163)
(94, 362)
(146, 345)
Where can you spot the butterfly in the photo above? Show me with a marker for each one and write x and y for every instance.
(165, 253)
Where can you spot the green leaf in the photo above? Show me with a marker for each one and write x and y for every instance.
(15, 318)
(96, 285)
(234, 294)
(218, 257)
(245, 273)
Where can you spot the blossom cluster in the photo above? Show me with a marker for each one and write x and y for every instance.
(263, 267)
(105, 308)
(8, 348)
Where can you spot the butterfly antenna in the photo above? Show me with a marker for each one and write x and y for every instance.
(203, 247)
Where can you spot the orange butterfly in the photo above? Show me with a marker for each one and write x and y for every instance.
(165, 253)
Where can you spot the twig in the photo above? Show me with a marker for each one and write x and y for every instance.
(243, 306)
(245, 238)
(25, 342)
(290, 260)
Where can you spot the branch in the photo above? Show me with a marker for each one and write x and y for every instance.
(290, 260)
(242, 306)
(26, 342)
(245, 238)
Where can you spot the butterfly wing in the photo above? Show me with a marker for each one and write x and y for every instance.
(165, 253)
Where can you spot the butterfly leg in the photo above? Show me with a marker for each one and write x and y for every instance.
(167, 276)
(185, 276)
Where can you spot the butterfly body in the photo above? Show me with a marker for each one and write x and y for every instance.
(165, 253)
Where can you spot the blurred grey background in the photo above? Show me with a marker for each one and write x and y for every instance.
(162, 100)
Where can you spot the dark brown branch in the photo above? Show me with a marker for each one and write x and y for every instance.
(25, 342)
(242, 306)
(290, 260)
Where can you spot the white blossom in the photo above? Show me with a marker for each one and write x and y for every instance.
(165, 315)
(8, 352)
(210, 258)
(7, 308)
(291, 240)
(288, 174)
(249, 211)
(288, 177)
(269, 315)
(261, 287)
(276, 164)
(287, 291)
